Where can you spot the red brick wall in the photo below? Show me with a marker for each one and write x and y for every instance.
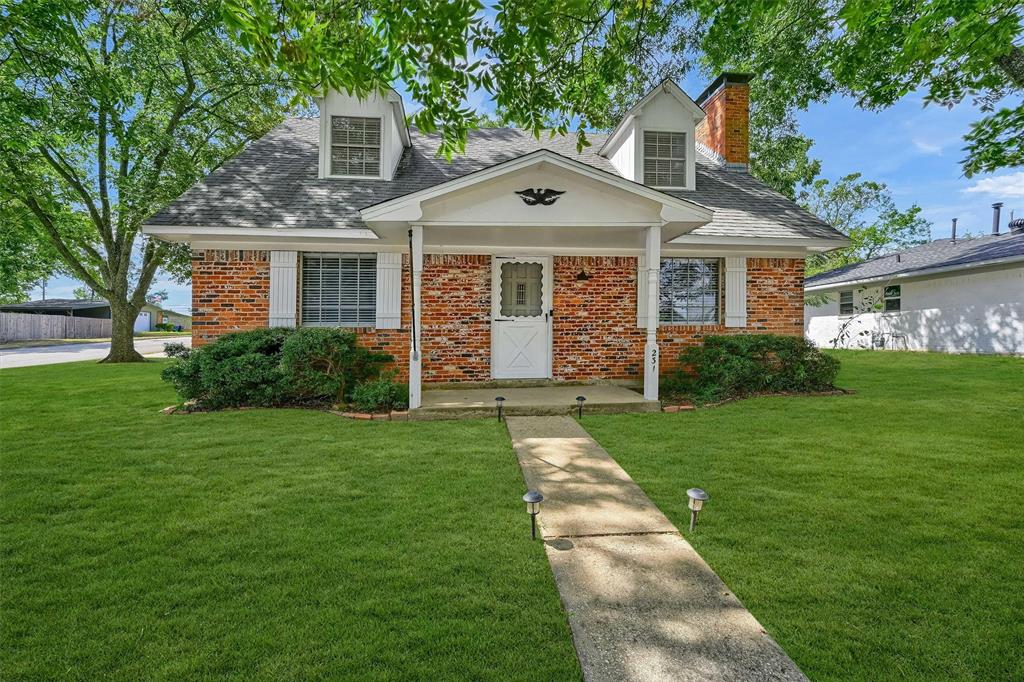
(230, 292)
(595, 332)
(456, 318)
(726, 128)
(395, 342)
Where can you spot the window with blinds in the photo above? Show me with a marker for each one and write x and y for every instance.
(355, 146)
(689, 291)
(339, 289)
(664, 159)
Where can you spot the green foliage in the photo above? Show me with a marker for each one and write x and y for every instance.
(743, 364)
(236, 370)
(324, 364)
(271, 367)
(878, 52)
(382, 394)
(110, 110)
(547, 65)
(26, 260)
(163, 327)
(866, 213)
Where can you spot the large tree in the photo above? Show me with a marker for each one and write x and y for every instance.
(551, 64)
(111, 109)
(878, 51)
(25, 260)
(864, 211)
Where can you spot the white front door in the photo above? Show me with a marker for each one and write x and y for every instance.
(521, 314)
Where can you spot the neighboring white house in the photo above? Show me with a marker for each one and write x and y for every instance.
(955, 296)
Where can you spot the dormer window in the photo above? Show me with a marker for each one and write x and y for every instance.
(355, 146)
(664, 159)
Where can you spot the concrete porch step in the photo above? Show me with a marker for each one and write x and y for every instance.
(452, 403)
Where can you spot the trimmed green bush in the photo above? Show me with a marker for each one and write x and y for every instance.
(325, 364)
(381, 395)
(742, 364)
(271, 367)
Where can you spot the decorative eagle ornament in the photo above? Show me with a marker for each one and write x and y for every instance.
(539, 197)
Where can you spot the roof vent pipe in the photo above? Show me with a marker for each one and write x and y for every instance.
(995, 216)
(954, 229)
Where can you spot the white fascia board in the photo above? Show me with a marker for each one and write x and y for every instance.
(667, 86)
(399, 110)
(915, 274)
(188, 233)
(407, 207)
(808, 243)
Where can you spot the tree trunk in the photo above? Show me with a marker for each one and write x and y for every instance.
(122, 334)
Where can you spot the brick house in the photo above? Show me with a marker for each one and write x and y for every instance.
(520, 259)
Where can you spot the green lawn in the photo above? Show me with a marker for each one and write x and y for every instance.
(259, 544)
(876, 536)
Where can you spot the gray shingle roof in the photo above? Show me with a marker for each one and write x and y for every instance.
(941, 253)
(274, 183)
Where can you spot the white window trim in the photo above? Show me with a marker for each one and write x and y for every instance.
(326, 145)
(641, 154)
(839, 303)
(892, 298)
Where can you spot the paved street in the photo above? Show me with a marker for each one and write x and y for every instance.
(49, 355)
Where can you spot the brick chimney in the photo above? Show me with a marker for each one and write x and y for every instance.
(726, 128)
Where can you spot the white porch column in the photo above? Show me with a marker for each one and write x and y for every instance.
(415, 351)
(652, 257)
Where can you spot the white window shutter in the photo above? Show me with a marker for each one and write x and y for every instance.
(389, 290)
(284, 276)
(735, 292)
(641, 292)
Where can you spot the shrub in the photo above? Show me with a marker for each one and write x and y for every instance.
(268, 367)
(381, 395)
(163, 327)
(321, 363)
(236, 370)
(741, 364)
(176, 350)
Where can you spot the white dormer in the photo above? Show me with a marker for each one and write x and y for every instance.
(654, 144)
(361, 138)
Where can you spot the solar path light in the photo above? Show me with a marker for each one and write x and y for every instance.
(533, 498)
(697, 499)
(580, 399)
(500, 403)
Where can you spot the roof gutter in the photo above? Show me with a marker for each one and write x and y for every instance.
(913, 274)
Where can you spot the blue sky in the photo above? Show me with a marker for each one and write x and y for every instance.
(914, 149)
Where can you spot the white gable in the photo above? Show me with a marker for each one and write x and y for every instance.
(666, 108)
(584, 202)
(387, 107)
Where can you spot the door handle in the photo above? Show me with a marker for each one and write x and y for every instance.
(503, 319)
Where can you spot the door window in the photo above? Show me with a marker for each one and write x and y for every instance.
(522, 292)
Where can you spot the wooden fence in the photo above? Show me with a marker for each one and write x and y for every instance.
(25, 327)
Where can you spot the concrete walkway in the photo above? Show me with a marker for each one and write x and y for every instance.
(641, 602)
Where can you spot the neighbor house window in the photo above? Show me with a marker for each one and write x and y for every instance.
(355, 146)
(846, 302)
(688, 291)
(339, 289)
(664, 159)
(891, 297)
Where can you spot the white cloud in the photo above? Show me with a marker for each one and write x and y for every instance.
(927, 147)
(1001, 186)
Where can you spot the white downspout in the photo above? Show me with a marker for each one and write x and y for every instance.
(652, 253)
